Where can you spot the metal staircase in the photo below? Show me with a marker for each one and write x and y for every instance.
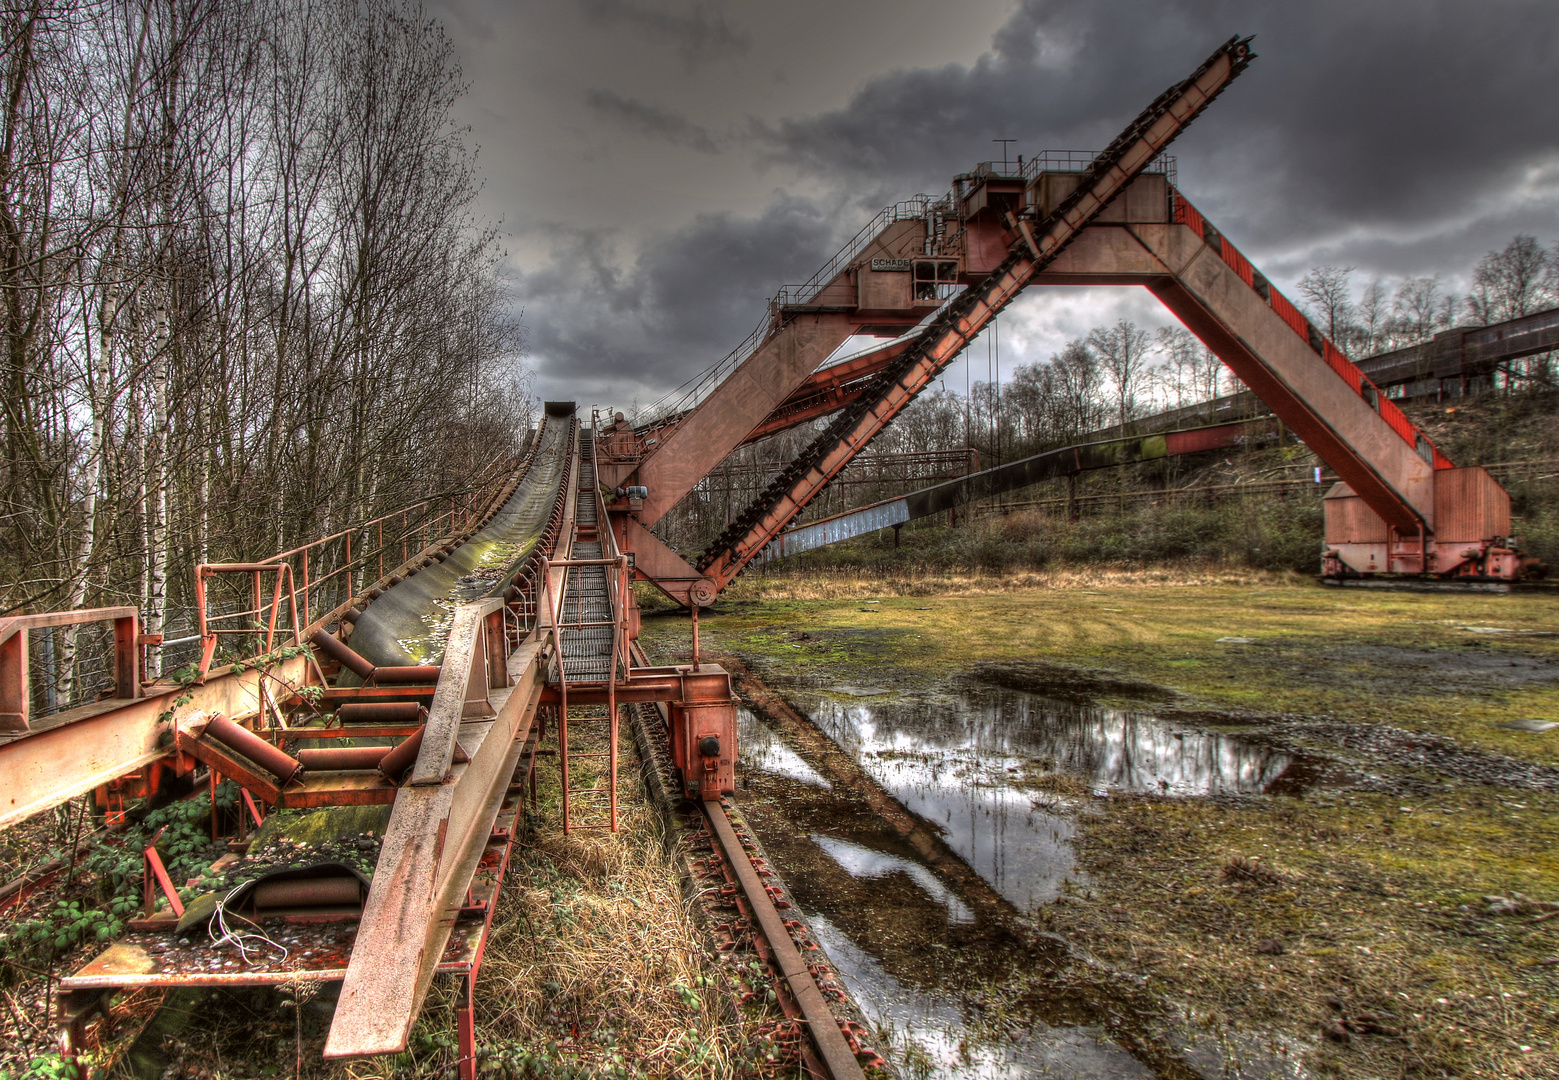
(590, 648)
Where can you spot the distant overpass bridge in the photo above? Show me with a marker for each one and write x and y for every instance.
(1453, 364)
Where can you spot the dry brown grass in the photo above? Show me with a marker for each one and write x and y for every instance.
(594, 958)
(845, 584)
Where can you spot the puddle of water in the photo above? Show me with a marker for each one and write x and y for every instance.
(945, 966)
(977, 765)
(930, 1036)
(761, 749)
(863, 862)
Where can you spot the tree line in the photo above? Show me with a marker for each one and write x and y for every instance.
(246, 298)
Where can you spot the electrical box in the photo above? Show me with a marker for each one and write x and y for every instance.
(703, 746)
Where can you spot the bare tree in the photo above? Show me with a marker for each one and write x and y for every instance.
(1193, 372)
(1416, 309)
(1123, 354)
(1513, 282)
(1329, 290)
(242, 291)
(1372, 319)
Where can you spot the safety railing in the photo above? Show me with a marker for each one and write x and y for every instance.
(282, 599)
(288, 589)
(913, 209)
(17, 691)
(692, 393)
(524, 590)
(1069, 161)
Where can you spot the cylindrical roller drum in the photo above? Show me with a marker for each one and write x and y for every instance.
(343, 757)
(341, 891)
(332, 646)
(256, 749)
(397, 761)
(381, 712)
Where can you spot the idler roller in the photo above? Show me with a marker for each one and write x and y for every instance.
(332, 646)
(256, 749)
(342, 891)
(381, 676)
(336, 758)
(398, 760)
(382, 712)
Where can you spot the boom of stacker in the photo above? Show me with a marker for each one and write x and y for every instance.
(1401, 508)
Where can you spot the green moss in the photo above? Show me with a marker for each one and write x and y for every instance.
(319, 827)
(1386, 657)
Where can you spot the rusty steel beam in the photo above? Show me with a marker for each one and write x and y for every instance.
(1262, 337)
(655, 562)
(718, 425)
(108, 739)
(827, 390)
(436, 836)
(1034, 245)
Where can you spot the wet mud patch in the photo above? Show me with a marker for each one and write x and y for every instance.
(925, 835)
(1066, 682)
(1474, 666)
(1433, 760)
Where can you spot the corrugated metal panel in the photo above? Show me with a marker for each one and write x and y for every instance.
(1469, 505)
(1349, 520)
(832, 530)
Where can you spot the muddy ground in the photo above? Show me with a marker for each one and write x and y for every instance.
(1345, 916)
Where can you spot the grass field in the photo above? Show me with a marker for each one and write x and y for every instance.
(1353, 918)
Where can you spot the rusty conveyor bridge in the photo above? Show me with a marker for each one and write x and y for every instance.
(445, 645)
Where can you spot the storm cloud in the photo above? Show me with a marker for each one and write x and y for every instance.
(1404, 137)
(685, 300)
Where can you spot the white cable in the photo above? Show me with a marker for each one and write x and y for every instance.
(237, 937)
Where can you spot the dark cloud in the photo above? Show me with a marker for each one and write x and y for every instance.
(652, 122)
(633, 332)
(1405, 137)
(699, 31)
(1387, 116)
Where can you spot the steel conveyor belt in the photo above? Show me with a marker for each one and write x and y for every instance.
(409, 623)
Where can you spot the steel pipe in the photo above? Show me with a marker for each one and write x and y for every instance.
(382, 712)
(308, 892)
(333, 647)
(398, 760)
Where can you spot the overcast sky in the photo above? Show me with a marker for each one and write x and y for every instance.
(658, 167)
